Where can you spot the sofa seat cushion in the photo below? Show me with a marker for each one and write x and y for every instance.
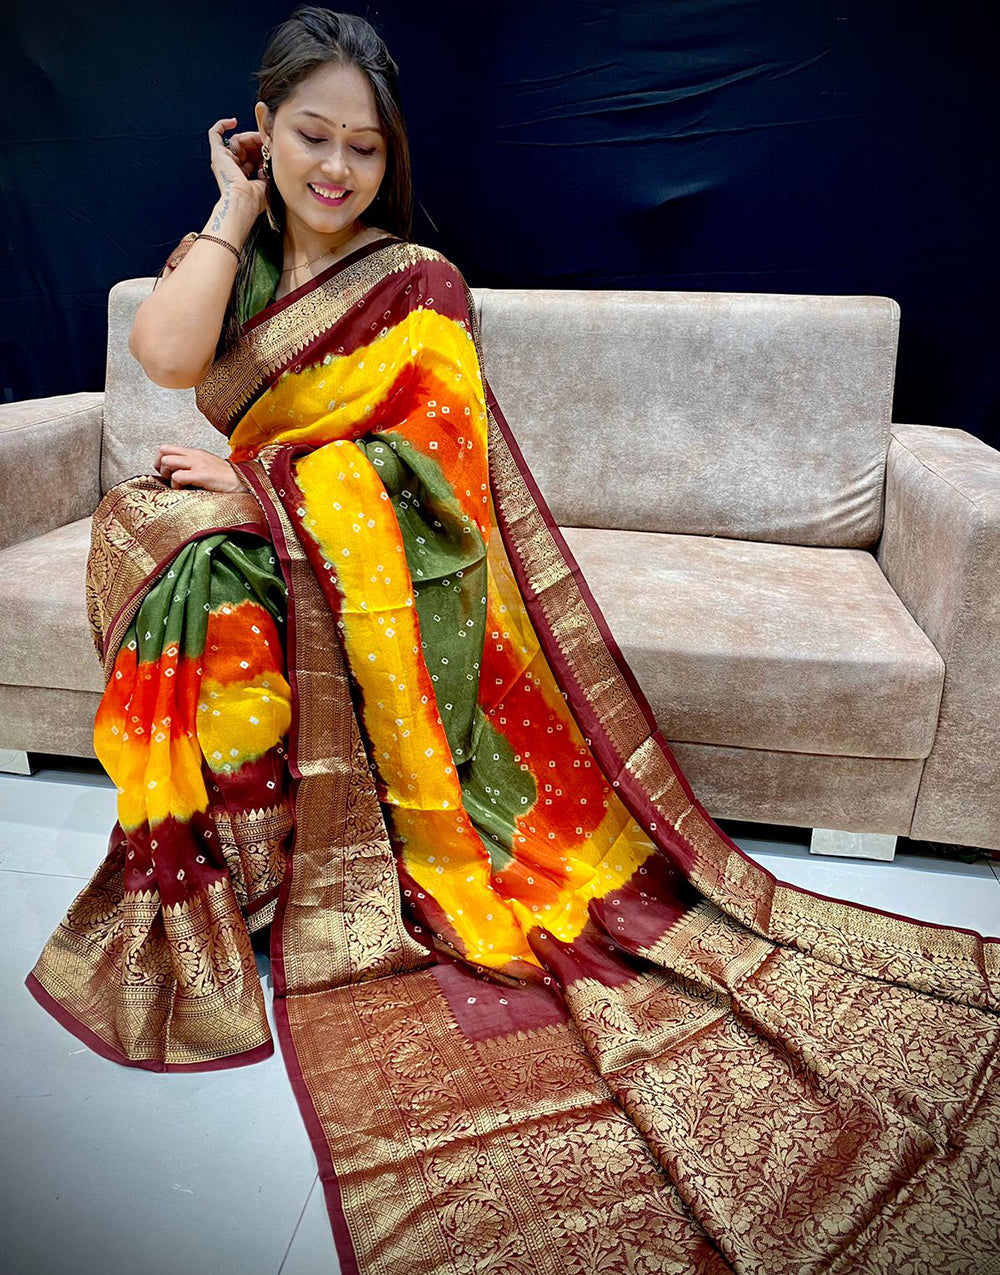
(44, 636)
(769, 646)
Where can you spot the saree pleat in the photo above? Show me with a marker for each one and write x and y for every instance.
(539, 1012)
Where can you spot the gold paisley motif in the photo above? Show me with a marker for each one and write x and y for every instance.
(508, 1154)
(255, 847)
(642, 1018)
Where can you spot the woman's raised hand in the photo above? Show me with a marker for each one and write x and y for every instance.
(236, 166)
(191, 467)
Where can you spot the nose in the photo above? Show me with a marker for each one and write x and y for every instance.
(336, 166)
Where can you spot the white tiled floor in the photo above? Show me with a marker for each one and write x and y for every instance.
(107, 1170)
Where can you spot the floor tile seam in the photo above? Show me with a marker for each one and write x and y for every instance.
(58, 876)
(298, 1224)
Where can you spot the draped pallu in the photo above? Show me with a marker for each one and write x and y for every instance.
(540, 1013)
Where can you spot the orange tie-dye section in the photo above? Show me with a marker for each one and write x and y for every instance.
(446, 857)
(155, 720)
(245, 702)
(145, 737)
(348, 512)
(445, 410)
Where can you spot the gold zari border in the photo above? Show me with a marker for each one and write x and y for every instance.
(176, 984)
(138, 525)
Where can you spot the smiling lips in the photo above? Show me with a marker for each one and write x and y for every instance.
(329, 194)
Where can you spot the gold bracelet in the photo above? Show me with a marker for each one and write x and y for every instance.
(225, 243)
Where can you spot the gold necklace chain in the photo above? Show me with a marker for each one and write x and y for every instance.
(302, 265)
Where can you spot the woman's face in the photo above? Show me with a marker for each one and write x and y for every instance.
(326, 139)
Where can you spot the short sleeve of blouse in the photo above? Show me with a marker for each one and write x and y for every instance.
(178, 253)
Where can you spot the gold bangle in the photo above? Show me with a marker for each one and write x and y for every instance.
(225, 243)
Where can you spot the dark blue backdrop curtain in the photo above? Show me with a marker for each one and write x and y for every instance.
(834, 146)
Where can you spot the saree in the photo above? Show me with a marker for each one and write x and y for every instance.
(539, 1012)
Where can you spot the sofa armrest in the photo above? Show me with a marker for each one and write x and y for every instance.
(50, 463)
(940, 551)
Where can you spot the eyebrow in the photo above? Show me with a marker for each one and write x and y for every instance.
(364, 128)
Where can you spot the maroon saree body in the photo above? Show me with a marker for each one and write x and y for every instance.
(539, 1012)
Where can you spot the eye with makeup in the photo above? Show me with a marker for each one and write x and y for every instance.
(360, 150)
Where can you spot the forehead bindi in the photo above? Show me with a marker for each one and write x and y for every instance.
(356, 128)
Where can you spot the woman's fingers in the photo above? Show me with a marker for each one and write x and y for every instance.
(245, 147)
(193, 467)
(218, 128)
(215, 133)
(223, 158)
(169, 459)
(234, 168)
(170, 450)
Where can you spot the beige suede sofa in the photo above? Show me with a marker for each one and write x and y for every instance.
(807, 594)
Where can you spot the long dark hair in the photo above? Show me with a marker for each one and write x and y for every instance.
(310, 38)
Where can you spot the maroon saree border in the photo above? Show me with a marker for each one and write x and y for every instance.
(327, 1174)
(625, 784)
(99, 1046)
(269, 311)
(314, 1128)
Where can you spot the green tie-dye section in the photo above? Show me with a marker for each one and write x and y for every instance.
(495, 790)
(204, 575)
(446, 556)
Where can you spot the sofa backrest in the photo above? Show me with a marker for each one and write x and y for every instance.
(760, 416)
(138, 414)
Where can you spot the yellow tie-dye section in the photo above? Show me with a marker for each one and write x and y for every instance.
(244, 704)
(343, 396)
(348, 512)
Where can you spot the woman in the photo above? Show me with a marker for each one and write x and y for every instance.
(539, 1012)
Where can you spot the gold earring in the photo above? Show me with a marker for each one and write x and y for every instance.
(268, 175)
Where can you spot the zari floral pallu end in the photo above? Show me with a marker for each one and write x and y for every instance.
(540, 1014)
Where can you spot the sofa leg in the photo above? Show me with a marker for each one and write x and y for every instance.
(14, 762)
(856, 845)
